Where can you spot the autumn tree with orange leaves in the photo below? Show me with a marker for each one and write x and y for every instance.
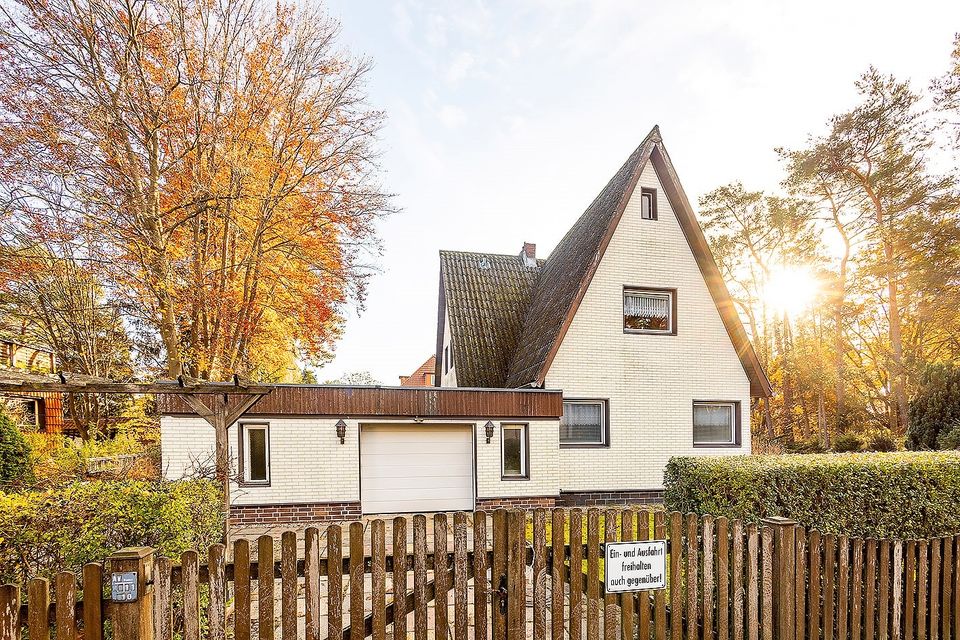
(219, 155)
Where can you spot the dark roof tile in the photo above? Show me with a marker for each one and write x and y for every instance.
(485, 295)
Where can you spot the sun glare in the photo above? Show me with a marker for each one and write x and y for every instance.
(791, 290)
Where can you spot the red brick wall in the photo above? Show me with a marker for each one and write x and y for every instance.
(294, 513)
(520, 502)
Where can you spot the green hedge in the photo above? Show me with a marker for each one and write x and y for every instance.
(15, 463)
(895, 495)
(42, 532)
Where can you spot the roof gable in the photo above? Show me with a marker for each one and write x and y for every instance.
(510, 337)
(419, 378)
(570, 269)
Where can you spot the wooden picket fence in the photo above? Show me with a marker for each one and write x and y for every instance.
(506, 576)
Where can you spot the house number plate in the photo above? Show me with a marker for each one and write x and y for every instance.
(124, 586)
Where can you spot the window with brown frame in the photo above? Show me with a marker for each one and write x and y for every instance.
(649, 310)
(514, 451)
(648, 204)
(716, 423)
(584, 423)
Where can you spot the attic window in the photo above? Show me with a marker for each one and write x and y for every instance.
(648, 204)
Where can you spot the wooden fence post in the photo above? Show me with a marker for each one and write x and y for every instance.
(133, 619)
(9, 612)
(784, 575)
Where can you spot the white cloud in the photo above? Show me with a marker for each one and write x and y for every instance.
(460, 66)
(452, 116)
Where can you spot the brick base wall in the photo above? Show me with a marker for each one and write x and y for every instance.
(603, 498)
(518, 502)
(293, 513)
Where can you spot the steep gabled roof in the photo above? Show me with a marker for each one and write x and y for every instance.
(499, 344)
(484, 295)
(569, 270)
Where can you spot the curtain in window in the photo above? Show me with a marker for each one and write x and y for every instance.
(582, 423)
(713, 423)
(646, 311)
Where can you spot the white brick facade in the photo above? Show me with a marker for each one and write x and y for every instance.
(307, 461)
(650, 381)
(308, 464)
(544, 441)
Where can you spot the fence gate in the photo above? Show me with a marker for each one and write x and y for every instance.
(507, 575)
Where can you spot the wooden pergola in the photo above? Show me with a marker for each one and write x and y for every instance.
(219, 403)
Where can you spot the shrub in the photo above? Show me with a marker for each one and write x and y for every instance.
(61, 460)
(62, 529)
(901, 495)
(936, 407)
(881, 440)
(847, 442)
(16, 466)
(949, 439)
(813, 445)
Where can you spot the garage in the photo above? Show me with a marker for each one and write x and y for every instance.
(416, 468)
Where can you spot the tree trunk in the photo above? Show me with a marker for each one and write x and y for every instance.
(783, 336)
(899, 418)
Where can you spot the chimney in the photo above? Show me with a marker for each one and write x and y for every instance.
(529, 254)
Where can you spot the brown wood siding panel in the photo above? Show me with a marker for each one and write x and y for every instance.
(393, 401)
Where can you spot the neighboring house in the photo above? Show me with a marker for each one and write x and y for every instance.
(20, 361)
(424, 376)
(17, 354)
(628, 316)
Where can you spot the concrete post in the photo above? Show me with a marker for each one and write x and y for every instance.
(784, 576)
(131, 579)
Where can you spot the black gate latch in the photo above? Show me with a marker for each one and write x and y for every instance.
(502, 592)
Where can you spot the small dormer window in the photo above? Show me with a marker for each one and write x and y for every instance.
(648, 204)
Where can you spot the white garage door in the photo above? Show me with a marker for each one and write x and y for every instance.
(416, 468)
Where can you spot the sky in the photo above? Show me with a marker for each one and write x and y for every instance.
(505, 119)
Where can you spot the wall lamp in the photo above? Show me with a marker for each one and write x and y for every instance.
(341, 430)
(488, 429)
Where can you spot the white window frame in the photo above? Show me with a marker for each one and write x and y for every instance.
(604, 429)
(670, 294)
(734, 440)
(245, 429)
(524, 471)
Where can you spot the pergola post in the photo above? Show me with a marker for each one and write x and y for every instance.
(220, 416)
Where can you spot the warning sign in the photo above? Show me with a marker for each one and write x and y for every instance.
(635, 566)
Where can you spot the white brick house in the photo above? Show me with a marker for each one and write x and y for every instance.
(628, 316)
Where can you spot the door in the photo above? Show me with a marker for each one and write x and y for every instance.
(406, 468)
